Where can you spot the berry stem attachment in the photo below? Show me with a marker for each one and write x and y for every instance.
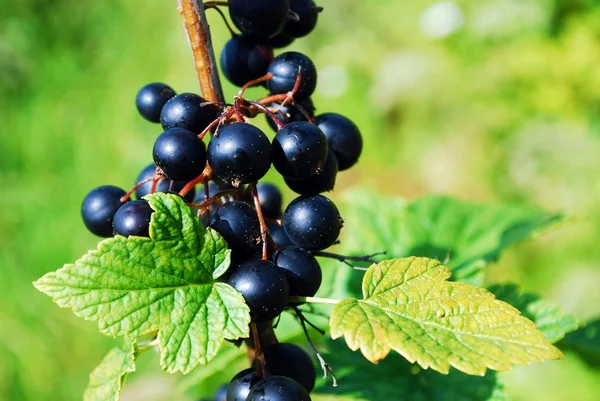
(198, 33)
(214, 6)
(313, 300)
(126, 197)
(188, 187)
(258, 353)
(264, 230)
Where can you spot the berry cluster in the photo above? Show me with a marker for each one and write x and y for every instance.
(273, 250)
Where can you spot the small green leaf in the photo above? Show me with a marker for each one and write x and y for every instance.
(108, 377)
(470, 235)
(135, 286)
(550, 318)
(396, 379)
(585, 342)
(410, 307)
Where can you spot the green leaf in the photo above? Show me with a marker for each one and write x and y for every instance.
(410, 307)
(136, 286)
(108, 377)
(585, 342)
(470, 235)
(550, 318)
(396, 379)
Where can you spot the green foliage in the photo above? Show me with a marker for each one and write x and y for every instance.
(585, 342)
(108, 377)
(550, 318)
(410, 307)
(166, 284)
(471, 236)
(399, 380)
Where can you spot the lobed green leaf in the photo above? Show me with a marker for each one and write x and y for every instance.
(585, 342)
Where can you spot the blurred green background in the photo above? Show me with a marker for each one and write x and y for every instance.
(485, 100)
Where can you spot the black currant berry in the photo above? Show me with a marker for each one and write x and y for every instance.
(163, 185)
(301, 269)
(239, 153)
(133, 218)
(308, 13)
(343, 136)
(312, 222)
(239, 387)
(278, 388)
(289, 360)
(244, 59)
(261, 18)
(221, 394)
(321, 182)
(151, 99)
(290, 113)
(180, 154)
(186, 111)
(280, 41)
(270, 200)
(99, 207)
(263, 286)
(279, 235)
(285, 68)
(238, 225)
(299, 150)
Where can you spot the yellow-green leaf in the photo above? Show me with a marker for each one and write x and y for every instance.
(409, 306)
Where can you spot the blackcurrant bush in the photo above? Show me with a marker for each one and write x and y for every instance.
(312, 222)
(270, 200)
(180, 154)
(244, 59)
(301, 269)
(238, 225)
(307, 12)
(163, 185)
(133, 218)
(99, 207)
(290, 113)
(281, 40)
(239, 387)
(279, 235)
(151, 99)
(321, 182)
(261, 18)
(239, 153)
(278, 388)
(263, 286)
(187, 111)
(343, 136)
(299, 150)
(285, 68)
(289, 360)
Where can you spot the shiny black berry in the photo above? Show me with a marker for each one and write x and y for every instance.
(239, 387)
(187, 111)
(343, 136)
(244, 59)
(180, 154)
(279, 235)
(289, 360)
(301, 269)
(151, 99)
(133, 218)
(238, 225)
(99, 207)
(321, 182)
(299, 150)
(285, 69)
(312, 222)
(278, 388)
(261, 18)
(307, 12)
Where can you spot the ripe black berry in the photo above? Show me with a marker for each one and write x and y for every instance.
(263, 286)
(164, 185)
(285, 69)
(239, 153)
(290, 113)
(151, 99)
(244, 59)
(289, 360)
(279, 235)
(270, 200)
(239, 387)
(343, 136)
(312, 222)
(321, 182)
(299, 150)
(278, 388)
(307, 12)
(238, 225)
(133, 218)
(186, 111)
(301, 269)
(180, 154)
(99, 207)
(261, 18)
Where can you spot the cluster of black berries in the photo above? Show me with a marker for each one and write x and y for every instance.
(272, 250)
